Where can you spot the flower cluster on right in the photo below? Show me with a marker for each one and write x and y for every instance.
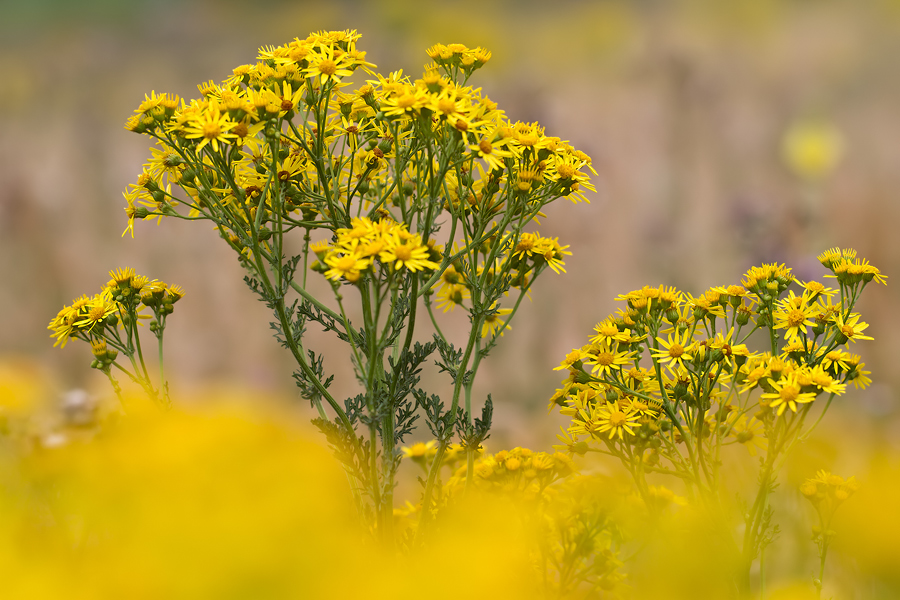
(698, 375)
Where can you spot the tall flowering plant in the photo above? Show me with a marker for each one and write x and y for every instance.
(407, 196)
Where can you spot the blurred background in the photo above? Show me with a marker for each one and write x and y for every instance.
(725, 134)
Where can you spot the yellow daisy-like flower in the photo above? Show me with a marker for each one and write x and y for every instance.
(817, 288)
(349, 266)
(615, 420)
(409, 253)
(825, 382)
(420, 451)
(605, 359)
(794, 315)
(491, 149)
(63, 325)
(494, 322)
(552, 253)
(576, 355)
(97, 310)
(851, 328)
(675, 350)
(787, 394)
(211, 126)
(451, 295)
(836, 361)
(643, 408)
(857, 375)
(750, 433)
(122, 276)
(409, 100)
(608, 332)
(325, 67)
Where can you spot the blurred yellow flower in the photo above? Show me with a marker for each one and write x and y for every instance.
(811, 149)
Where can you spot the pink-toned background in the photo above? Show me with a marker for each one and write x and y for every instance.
(682, 105)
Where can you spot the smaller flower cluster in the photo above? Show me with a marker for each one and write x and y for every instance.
(93, 319)
(422, 453)
(109, 321)
(827, 491)
(531, 252)
(459, 56)
(848, 269)
(518, 470)
(357, 249)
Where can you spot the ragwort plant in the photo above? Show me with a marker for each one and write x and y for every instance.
(406, 196)
(668, 382)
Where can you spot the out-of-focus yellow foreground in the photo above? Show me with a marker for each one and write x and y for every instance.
(223, 503)
(230, 502)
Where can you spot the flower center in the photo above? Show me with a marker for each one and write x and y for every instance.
(676, 350)
(446, 106)
(211, 130)
(327, 67)
(406, 100)
(795, 318)
(565, 170)
(605, 359)
(789, 393)
(617, 418)
(403, 253)
(346, 263)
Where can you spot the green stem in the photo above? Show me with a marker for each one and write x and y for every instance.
(442, 446)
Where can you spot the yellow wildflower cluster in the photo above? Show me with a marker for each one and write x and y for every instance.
(518, 470)
(702, 388)
(357, 249)
(95, 317)
(109, 320)
(700, 364)
(827, 491)
(238, 121)
(530, 253)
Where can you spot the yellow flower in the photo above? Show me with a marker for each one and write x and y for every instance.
(494, 322)
(749, 432)
(787, 394)
(420, 451)
(615, 420)
(409, 253)
(605, 359)
(491, 149)
(211, 126)
(349, 266)
(812, 149)
(675, 350)
(851, 328)
(794, 315)
(99, 307)
(408, 100)
(608, 331)
(451, 295)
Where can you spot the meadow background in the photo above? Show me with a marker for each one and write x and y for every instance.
(682, 105)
